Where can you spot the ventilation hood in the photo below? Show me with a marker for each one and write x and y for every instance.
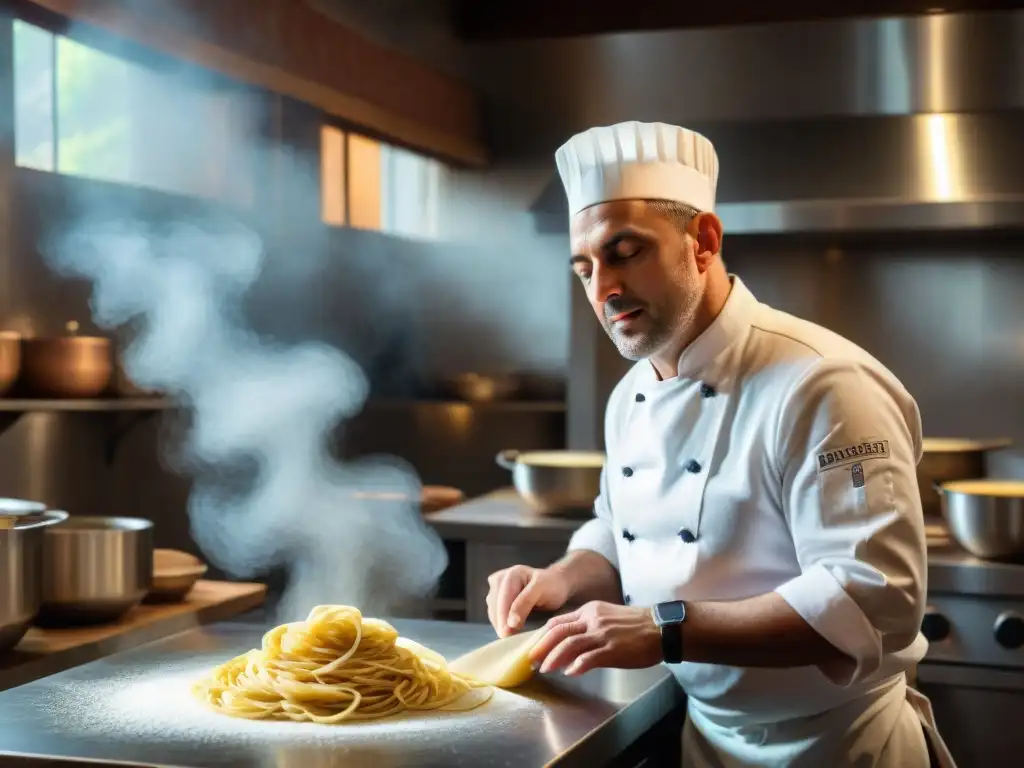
(915, 172)
(900, 124)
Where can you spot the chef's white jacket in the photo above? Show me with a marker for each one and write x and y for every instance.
(781, 458)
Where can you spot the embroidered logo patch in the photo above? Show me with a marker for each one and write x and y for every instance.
(857, 473)
(870, 449)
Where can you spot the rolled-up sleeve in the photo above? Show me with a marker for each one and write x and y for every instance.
(848, 445)
(596, 535)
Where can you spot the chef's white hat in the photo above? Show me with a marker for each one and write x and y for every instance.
(638, 161)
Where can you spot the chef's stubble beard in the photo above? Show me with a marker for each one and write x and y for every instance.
(663, 332)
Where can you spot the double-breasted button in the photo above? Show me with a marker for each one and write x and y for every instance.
(626, 600)
(693, 466)
(627, 535)
(706, 390)
(687, 536)
(640, 397)
(627, 472)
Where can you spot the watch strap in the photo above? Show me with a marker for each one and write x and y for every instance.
(672, 643)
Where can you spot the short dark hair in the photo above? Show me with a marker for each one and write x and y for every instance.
(680, 214)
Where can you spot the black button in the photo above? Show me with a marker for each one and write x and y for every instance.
(687, 536)
(627, 472)
(640, 397)
(706, 390)
(627, 535)
(693, 466)
(626, 600)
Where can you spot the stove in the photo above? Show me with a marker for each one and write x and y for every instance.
(975, 611)
(973, 672)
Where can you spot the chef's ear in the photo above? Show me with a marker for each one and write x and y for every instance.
(706, 229)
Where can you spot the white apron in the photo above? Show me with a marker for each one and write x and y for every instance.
(782, 458)
(885, 729)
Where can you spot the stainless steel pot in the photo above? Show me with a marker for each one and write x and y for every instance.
(986, 517)
(950, 458)
(95, 569)
(561, 483)
(21, 574)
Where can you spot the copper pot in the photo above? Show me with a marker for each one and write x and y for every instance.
(10, 359)
(67, 366)
(482, 387)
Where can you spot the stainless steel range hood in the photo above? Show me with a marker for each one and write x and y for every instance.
(915, 172)
(924, 130)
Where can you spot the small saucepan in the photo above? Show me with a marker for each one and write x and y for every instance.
(986, 516)
(95, 569)
(561, 483)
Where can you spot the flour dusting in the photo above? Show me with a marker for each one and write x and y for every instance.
(156, 706)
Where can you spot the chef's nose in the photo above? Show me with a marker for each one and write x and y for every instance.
(605, 284)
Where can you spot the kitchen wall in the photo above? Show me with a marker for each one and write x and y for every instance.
(494, 293)
(941, 310)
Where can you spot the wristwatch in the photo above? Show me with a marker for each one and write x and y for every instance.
(669, 618)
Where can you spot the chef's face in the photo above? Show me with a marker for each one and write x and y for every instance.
(643, 275)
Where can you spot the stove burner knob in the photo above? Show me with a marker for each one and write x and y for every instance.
(934, 626)
(1009, 630)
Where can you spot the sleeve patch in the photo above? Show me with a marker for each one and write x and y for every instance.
(870, 449)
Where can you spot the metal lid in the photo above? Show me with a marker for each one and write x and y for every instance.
(20, 507)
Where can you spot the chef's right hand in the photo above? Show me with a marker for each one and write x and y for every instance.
(516, 591)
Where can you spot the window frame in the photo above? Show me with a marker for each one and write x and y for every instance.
(138, 56)
(346, 128)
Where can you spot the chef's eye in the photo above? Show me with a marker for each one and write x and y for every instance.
(627, 249)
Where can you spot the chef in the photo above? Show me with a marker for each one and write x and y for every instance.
(759, 524)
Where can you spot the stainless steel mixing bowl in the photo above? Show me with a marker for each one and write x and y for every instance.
(986, 517)
(558, 483)
(21, 574)
(95, 569)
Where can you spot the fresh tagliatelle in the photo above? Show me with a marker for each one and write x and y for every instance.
(334, 667)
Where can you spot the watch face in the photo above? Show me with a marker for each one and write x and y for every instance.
(671, 613)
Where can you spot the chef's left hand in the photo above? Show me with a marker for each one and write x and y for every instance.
(598, 635)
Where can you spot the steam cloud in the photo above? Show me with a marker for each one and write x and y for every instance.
(257, 408)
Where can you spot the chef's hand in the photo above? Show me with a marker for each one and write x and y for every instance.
(516, 591)
(599, 635)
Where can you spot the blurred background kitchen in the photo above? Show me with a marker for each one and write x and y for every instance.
(872, 181)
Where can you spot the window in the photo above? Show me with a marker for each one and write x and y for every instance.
(82, 112)
(369, 184)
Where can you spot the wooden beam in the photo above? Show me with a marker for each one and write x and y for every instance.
(478, 21)
(288, 48)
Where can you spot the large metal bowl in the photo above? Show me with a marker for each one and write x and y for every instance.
(986, 517)
(95, 569)
(21, 572)
(951, 458)
(557, 483)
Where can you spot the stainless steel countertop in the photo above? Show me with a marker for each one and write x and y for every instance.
(954, 571)
(502, 517)
(133, 708)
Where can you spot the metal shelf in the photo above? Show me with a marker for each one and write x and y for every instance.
(123, 413)
(30, 405)
(533, 406)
